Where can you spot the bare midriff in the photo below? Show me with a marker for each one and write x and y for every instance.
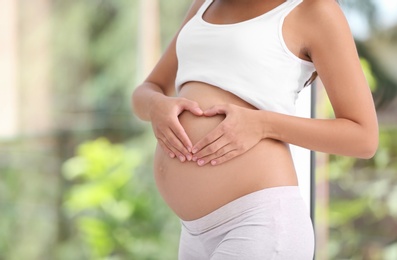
(193, 191)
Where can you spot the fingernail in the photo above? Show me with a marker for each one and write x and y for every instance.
(189, 149)
(200, 162)
(171, 155)
(194, 158)
(213, 162)
(182, 158)
(195, 150)
(189, 157)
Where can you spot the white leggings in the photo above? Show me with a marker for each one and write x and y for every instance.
(271, 224)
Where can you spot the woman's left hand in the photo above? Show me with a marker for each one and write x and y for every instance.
(237, 133)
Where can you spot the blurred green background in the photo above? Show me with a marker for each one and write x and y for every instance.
(76, 165)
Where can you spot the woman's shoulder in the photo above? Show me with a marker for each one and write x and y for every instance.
(320, 5)
(320, 11)
(317, 17)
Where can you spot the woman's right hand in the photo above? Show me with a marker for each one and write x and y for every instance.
(171, 136)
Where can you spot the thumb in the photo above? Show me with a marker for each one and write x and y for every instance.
(193, 107)
(215, 110)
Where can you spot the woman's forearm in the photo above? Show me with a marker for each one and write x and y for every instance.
(336, 136)
(142, 99)
(150, 103)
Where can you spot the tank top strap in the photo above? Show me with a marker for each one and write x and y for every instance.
(204, 8)
(291, 6)
(282, 11)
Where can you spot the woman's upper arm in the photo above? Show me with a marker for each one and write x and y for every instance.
(164, 73)
(332, 49)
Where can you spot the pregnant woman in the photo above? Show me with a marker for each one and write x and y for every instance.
(221, 104)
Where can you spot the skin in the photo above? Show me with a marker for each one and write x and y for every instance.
(315, 31)
(155, 94)
(327, 42)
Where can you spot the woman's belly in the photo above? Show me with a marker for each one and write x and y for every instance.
(193, 191)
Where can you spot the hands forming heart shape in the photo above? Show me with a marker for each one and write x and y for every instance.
(237, 133)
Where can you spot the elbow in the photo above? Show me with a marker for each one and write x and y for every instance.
(135, 105)
(136, 101)
(140, 103)
(367, 154)
(369, 147)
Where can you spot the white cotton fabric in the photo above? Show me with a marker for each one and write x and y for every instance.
(249, 59)
(270, 224)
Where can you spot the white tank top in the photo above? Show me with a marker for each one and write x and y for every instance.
(249, 59)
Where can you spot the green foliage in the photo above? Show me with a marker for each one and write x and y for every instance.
(369, 75)
(105, 205)
(95, 50)
(111, 200)
(103, 169)
(113, 215)
(171, 14)
(363, 203)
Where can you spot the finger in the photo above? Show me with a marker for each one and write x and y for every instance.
(169, 147)
(165, 148)
(212, 158)
(212, 150)
(216, 110)
(192, 107)
(164, 142)
(173, 141)
(226, 157)
(177, 153)
(210, 138)
(180, 134)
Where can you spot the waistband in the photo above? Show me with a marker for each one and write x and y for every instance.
(241, 205)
